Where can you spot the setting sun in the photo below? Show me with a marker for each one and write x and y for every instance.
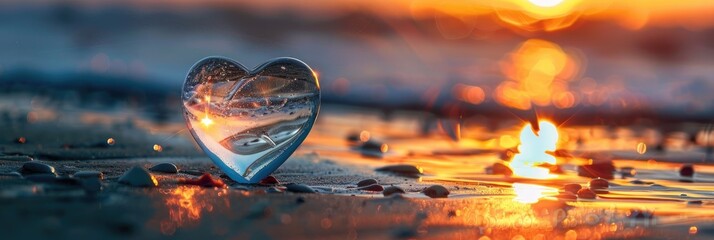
(533, 151)
(546, 3)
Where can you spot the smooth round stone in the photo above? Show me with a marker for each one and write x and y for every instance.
(269, 180)
(586, 193)
(436, 191)
(686, 171)
(501, 169)
(164, 168)
(35, 167)
(16, 158)
(138, 177)
(572, 187)
(250, 121)
(628, 171)
(88, 174)
(373, 187)
(367, 182)
(599, 183)
(300, 188)
(404, 169)
(597, 170)
(391, 190)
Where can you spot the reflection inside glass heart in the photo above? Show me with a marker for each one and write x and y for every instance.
(250, 122)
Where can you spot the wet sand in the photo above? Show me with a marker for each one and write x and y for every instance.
(479, 204)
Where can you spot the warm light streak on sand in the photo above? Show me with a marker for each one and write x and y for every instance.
(532, 151)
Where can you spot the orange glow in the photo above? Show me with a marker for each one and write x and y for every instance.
(537, 73)
(185, 208)
(530, 193)
(546, 3)
(532, 151)
(206, 121)
(469, 94)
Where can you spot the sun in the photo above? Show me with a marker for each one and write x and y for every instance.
(546, 3)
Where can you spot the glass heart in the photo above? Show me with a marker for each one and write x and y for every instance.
(250, 122)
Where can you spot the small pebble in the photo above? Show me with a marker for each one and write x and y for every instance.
(373, 187)
(367, 182)
(300, 200)
(599, 183)
(586, 193)
(597, 170)
(393, 190)
(274, 190)
(500, 169)
(374, 146)
(572, 187)
(269, 180)
(695, 202)
(683, 195)
(299, 188)
(191, 172)
(16, 158)
(204, 180)
(35, 167)
(164, 168)
(628, 171)
(138, 177)
(404, 169)
(686, 171)
(21, 140)
(88, 174)
(436, 191)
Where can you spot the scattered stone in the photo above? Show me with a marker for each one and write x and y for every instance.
(165, 168)
(138, 177)
(373, 187)
(597, 170)
(391, 190)
(16, 158)
(35, 167)
(204, 180)
(500, 169)
(374, 146)
(599, 183)
(192, 172)
(586, 193)
(88, 174)
(637, 181)
(274, 190)
(683, 195)
(695, 202)
(640, 214)
(628, 172)
(572, 187)
(686, 171)
(300, 188)
(269, 180)
(402, 169)
(436, 191)
(367, 182)
(21, 140)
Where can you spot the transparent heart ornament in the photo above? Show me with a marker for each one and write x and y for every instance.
(250, 121)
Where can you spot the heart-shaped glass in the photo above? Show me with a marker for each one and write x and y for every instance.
(250, 122)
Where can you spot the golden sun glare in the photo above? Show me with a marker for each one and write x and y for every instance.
(546, 3)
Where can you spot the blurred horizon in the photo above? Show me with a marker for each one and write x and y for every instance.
(568, 55)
